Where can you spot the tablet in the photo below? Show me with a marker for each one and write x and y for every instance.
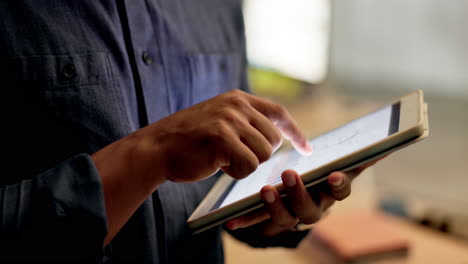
(389, 128)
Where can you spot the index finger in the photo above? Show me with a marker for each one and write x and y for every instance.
(283, 120)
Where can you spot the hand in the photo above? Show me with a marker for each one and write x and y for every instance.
(235, 131)
(300, 204)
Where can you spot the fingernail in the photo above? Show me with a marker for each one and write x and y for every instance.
(269, 197)
(289, 180)
(308, 149)
(337, 182)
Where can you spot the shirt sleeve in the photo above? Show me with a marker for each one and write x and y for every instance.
(58, 215)
(253, 237)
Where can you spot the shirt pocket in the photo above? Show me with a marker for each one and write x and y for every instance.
(74, 99)
(213, 74)
(55, 72)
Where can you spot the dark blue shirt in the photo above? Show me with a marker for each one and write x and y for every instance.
(76, 76)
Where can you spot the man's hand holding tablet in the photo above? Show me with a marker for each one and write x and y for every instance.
(307, 205)
(237, 132)
(295, 187)
(234, 131)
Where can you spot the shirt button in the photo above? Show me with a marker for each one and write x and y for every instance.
(222, 66)
(147, 58)
(69, 71)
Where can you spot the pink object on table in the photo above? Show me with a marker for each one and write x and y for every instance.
(360, 235)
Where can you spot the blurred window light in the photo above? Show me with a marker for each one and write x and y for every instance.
(400, 44)
(289, 36)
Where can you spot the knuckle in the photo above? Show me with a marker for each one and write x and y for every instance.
(277, 138)
(251, 165)
(220, 129)
(227, 113)
(274, 138)
(236, 92)
(231, 117)
(237, 172)
(238, 100)
(265, 154)
(237, 176)
(281, 110)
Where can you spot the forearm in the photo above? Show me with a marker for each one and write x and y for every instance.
(126, 180)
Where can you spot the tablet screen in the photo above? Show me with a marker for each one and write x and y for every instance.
(351, 137)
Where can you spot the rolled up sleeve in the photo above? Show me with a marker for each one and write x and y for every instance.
(58, 215)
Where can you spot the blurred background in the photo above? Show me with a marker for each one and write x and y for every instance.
(330, 61)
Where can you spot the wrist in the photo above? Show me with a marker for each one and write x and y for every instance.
(145, 158)
(128, 164)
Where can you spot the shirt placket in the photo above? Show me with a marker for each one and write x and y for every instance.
(149, 61)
